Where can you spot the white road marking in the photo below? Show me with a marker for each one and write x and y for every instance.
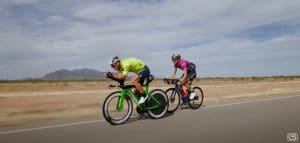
(48, 127)
(258, 100)
(96, 121)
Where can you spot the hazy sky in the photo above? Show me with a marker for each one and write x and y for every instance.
(223, 38)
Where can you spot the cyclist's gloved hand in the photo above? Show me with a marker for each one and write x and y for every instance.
(109, 74)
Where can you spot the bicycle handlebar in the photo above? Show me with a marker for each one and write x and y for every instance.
(117, 80)
(171, 81)
(121, 82)
(111, 86)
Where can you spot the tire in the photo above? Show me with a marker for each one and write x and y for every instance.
(174, 99)
(198, 100)
(162, 109)
(109, 109)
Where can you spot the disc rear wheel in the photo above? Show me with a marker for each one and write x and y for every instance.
(162, 98)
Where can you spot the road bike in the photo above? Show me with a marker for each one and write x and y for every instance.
(175, 95)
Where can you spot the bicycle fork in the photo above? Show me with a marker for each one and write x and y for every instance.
(121, 99)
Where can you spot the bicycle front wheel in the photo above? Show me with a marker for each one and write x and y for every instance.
(110, 111)
(196, 102)
(174, 99)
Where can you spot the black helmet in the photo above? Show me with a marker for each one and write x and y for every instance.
(175, 57)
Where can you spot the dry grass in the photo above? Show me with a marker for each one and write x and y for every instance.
(23, 102)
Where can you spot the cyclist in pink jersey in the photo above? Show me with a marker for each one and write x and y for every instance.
(189, 73)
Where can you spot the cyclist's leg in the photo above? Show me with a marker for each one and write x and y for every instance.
(191, 76)
(136, 82)
(185, 81)
(183, 90)
(142, 75)
(188, 83)
(184, 87)
(139, 79)
(189, 80)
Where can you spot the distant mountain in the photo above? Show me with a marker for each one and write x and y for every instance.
(65, 74)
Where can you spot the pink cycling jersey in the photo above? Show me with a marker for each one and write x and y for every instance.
(182, 64)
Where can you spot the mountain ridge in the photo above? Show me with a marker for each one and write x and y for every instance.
(83, 73)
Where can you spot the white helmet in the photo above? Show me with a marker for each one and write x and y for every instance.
(114, 60)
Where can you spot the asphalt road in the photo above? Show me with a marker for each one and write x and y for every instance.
(256, 120)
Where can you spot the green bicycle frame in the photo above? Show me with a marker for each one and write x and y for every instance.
(128, 92)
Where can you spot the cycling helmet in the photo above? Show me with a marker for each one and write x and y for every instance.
(114, 60)
(175, 57)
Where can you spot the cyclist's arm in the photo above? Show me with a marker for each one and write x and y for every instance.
(122, 74)
(174, 73)
(184, 78)
(119, 76)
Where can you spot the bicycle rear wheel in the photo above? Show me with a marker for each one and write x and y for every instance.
(197, 101)
(110, 111)
(162, 98)
(174, 99)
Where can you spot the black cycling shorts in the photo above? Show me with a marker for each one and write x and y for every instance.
(143, 74)
(191, 76)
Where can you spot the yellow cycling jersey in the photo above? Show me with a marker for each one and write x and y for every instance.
(131, 65)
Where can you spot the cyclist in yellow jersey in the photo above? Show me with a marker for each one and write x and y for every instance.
(133, 65)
